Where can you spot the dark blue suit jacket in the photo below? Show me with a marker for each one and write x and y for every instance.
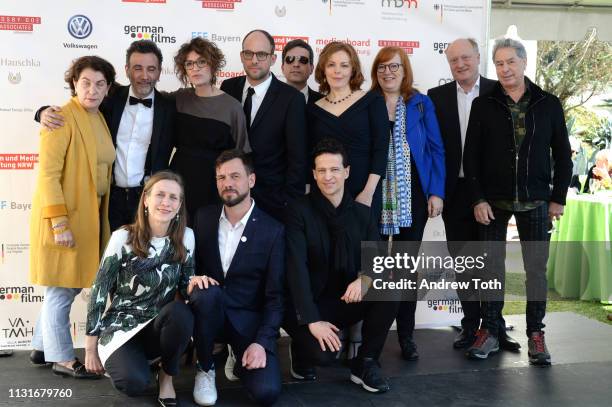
(253, 286)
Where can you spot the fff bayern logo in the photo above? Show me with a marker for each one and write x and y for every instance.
(80, 26)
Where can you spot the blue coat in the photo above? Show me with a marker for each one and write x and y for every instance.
(425, 143)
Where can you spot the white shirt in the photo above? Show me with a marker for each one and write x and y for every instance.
(464, 105)
(258, 96)
(230, 236)
(305, 92)
(133, 139)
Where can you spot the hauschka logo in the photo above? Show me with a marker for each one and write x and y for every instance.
(440, 47)
(219, 4)
(21, 294)
(23, 24)
(407, 46)
(14, 78)
(149, 32)
(21, 63)
(80, 26)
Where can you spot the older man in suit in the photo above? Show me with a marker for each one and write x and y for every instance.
(276, 122)
(453, 102)
(240, 251)
(141, 123)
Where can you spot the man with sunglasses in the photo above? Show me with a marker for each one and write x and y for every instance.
(297, 66)
(276, 123)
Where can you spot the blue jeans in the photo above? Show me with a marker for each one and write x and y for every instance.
(52, 331)
(532, 226)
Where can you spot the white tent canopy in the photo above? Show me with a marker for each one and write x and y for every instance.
(561, 20)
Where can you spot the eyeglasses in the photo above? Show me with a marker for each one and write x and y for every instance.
(248, 55)
(289, 59)
(392, 67)
(201, 63)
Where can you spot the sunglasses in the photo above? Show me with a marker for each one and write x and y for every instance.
(289, 59)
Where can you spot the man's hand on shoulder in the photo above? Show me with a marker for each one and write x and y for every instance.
(51, 118)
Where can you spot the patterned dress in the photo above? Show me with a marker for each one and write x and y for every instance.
(138, 288)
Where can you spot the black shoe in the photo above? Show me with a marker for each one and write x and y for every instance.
(78, 371)
(366, 372)
(299, 372)
(169, 402)
(464, 339)
(37, 358)
(409, 349)
(508, 343)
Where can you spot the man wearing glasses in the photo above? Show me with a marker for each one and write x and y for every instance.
(276, 123)
(297, 66)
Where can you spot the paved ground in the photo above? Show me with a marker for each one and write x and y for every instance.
(581, 375)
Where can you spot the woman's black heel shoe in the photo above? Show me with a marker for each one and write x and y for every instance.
(169, 402)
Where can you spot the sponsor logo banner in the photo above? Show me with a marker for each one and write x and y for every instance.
(281, 40)
(18, 161)
(408, 46)
(155, 33)
(220, 4)
(18, 23)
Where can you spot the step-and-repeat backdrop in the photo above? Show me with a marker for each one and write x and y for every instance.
(39, 39)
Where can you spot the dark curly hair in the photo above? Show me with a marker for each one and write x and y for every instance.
(207, 49)
(356, 76)
(92, 62)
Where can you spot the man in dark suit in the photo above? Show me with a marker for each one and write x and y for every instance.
(324, 233)
(240, 251)
(453, 102)
(141, 122)
(276, 123)
(297, 66)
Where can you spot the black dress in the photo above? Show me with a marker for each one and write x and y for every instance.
(205, 126)
(364, 131)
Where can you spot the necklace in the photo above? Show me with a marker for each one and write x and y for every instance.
(335, 102)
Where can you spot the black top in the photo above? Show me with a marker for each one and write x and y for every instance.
(363, 129)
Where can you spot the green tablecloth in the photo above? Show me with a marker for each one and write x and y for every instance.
(580, 262)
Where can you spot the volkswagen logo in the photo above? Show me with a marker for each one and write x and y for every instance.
(79, 26)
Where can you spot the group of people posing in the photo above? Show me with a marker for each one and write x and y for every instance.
(255, 221)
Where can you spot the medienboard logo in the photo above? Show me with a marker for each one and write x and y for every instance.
(22, 24)
(80, 26)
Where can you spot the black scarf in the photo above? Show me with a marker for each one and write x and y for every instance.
(338, 219)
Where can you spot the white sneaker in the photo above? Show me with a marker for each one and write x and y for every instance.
(229, 365)
(204, 390)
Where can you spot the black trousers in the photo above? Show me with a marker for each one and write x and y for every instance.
(212, 325)
(532, 226)
(123, 203)
(377, 318)
(166, 336)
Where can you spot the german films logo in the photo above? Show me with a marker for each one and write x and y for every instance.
(20, 294)
(449, 306)
(23, 24)
(155, 33)
(220, 4)
(408, 46)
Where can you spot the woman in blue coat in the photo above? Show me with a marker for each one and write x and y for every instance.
(413, 188)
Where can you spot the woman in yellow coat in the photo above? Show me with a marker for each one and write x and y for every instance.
(69, 225)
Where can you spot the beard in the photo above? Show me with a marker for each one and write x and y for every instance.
(227, 201)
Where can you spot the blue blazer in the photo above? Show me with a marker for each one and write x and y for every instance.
(425, 143)
(253, 286)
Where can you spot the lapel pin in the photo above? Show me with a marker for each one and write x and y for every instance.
(243, 239)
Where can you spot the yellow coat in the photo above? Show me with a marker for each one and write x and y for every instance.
(66, 185)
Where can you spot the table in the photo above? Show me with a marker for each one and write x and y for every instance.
(580, 261)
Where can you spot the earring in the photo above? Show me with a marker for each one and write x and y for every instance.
(146, 211)
(177, 217)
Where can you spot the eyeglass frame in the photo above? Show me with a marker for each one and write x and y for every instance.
(200, 62)
(385, 66)
(289, 59)
(261, 55)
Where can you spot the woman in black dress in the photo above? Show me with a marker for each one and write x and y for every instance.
(208, 121)
(356, 118)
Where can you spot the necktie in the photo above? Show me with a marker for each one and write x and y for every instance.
(248, 105)
(145, 102)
